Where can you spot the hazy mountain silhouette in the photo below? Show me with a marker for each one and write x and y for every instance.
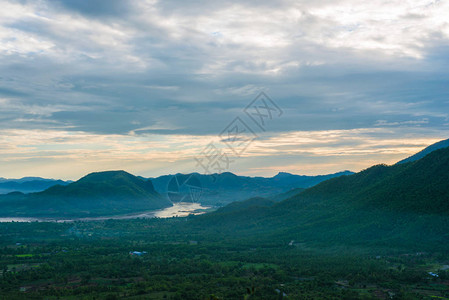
(224, 188)
(28, 184)
(427, 150)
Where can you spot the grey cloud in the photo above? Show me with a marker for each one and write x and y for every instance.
(97, 7)
(105, 91)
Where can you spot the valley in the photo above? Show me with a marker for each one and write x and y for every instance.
(377, 234)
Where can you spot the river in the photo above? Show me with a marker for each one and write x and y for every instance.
(181, 209)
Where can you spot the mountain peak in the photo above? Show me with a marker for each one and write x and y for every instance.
(106, 175)
(228, 174)
(282, 175)
(111, 172)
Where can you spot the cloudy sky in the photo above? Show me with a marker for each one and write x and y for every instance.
(145, 86)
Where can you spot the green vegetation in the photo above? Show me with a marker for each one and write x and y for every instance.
(24, 255)
(92, 260)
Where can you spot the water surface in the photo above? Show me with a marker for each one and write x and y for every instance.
(181, 209)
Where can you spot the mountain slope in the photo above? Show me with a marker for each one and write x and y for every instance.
(427, 150)
(246, 204)
(102, 193)
(405, 204)
(421, 186)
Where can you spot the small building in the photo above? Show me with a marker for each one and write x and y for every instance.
(137, 253)
(433, 274)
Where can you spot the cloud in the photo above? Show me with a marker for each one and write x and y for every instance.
(71, 154)
(134, 68)
(96, 8)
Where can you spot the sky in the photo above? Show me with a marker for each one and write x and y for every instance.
(152, 87)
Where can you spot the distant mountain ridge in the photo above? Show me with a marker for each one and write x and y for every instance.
(221, 189)
(427, 150)
(100, 193)
(28, 184)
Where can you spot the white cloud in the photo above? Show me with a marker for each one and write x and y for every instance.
(263, 36)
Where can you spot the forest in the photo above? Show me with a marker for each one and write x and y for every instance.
(161, 259)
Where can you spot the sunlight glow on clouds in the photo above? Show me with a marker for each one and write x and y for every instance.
(308, 152)
(144, 85)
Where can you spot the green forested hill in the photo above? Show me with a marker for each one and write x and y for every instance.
(102, 193)
(421, 186)
(250, 203)
(404, 205)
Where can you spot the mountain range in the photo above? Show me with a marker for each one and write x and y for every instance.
(224, 188)
(28, 184)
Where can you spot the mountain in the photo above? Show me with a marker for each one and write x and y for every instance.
(102, 193)
(427, 150)
(405, 204)
(224, 188)
(420, 186)
(28, 184)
